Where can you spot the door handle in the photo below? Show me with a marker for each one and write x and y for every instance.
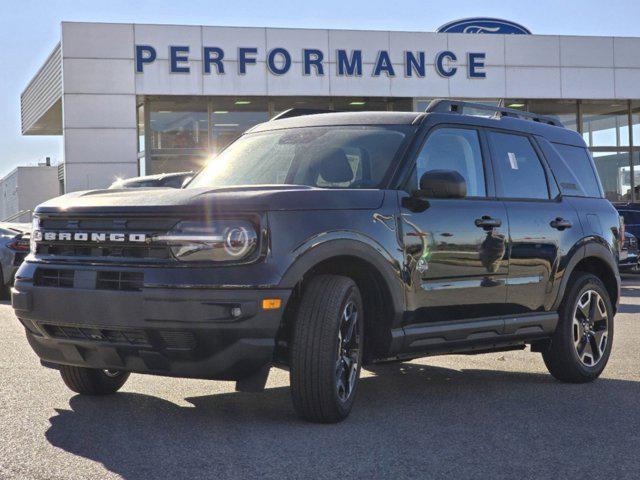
(487, 222)
(560, 223)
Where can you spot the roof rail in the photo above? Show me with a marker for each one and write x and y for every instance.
(456, 106)
(299, 112)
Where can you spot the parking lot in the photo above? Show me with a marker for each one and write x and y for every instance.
(491, 416)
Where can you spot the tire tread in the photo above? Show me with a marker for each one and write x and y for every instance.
(312, 356)
(88, 381)
(560, 359)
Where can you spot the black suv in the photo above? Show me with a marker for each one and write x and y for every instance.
(321, 243)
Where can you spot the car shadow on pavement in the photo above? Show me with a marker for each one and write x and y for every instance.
(409, 420)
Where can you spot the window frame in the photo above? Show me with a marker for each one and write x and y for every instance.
(487, 168)
(548, 174)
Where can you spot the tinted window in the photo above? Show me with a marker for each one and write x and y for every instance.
(454, 149)
(329, 157)
(519, 170)
(577, 159)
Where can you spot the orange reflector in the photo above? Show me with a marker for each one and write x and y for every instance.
(271, 303)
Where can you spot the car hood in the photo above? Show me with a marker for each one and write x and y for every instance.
(229, 199)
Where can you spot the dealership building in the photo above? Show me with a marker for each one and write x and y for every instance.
(132, 99)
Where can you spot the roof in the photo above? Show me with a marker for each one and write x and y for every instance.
(552, 133)
(342, 118)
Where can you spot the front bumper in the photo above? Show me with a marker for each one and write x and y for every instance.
(184, 332)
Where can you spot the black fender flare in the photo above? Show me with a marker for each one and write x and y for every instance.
(336, 244)
(591, 247)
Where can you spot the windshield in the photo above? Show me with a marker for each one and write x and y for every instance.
(326, 157)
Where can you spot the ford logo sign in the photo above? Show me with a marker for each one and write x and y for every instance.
(484, 25)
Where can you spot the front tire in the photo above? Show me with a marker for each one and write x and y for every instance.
(89, 381)
(326, 354)
(581, 345)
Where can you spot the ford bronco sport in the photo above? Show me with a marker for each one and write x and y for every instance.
(320, 243)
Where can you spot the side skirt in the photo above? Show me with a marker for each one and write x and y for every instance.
(468, 336)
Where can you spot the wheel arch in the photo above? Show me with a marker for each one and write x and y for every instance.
(597, 259)
(374, 271)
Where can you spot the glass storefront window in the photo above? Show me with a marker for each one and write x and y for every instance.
(180, 133)
(515, 104)
(565, 110)
(615, 174)
(231, 117)
(360, 104)
(605, 123)
(178, 123)
(174, 163)
(635, 122)
(280, 104)
(422, 104)
(141, 127)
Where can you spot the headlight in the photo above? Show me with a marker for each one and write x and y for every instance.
(35, 234)
(215, 241)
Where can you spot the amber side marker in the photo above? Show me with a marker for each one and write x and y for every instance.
(271, 303)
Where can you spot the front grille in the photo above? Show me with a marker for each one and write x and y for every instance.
(135, 337)
(106, 251)
(130, 281)
(184, 341)
(100, 280)
(110, 252)
(54, 277)
(178, 340)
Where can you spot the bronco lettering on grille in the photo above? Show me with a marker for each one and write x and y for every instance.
(117, 237)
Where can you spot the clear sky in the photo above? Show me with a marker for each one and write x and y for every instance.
(29, 29)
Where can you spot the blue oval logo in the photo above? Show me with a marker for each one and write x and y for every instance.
(484, 25)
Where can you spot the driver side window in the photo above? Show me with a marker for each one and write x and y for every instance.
(455, 149)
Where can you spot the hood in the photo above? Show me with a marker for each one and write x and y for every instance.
(254, 198)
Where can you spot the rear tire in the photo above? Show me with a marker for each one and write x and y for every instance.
(89, 381)
(326, 353)
(581, 345)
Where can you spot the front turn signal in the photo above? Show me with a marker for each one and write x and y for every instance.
(271, 303)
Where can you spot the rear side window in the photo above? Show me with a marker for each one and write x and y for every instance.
(578, 160)
(519, 171)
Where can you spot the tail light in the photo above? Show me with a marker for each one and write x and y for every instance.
(19, 245)
(621, 231)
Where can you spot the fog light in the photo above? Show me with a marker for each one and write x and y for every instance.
(271, 303)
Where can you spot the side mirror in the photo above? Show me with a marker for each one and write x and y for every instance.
(442, 184)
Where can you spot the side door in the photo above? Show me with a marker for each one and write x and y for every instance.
(542, 226)
(454, 249)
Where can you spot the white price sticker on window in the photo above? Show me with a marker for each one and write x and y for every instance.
(513, 161)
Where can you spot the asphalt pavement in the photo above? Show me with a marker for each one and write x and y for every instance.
(485, 416)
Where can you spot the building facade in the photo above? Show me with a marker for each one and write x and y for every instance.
(134, 99)
(22, 189)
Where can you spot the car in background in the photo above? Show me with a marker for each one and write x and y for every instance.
(14, 247)
(629, 254)
(172, 180)
(631, 214)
